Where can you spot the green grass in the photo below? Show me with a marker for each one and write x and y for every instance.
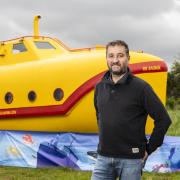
(13, 173)
(16, 173)
(174, 129)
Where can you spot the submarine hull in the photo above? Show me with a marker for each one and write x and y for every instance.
(76, 76)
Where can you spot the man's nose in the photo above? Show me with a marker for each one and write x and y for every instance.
(115, 60)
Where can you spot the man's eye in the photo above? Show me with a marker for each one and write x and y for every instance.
(110, 55)
(120, 55)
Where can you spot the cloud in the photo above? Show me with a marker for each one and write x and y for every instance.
(152, 26)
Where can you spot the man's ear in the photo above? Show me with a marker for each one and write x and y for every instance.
(128, 58)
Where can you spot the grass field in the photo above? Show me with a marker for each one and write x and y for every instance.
(174, 129)
(14, 173)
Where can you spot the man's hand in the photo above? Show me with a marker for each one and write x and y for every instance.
(145, 156)
(144, 159)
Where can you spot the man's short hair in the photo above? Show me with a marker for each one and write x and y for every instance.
(118, 43)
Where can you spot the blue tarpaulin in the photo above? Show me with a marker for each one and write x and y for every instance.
(73, 150)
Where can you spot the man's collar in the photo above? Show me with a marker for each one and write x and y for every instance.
(107, 78)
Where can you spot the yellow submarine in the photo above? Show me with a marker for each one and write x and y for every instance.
(46, 86)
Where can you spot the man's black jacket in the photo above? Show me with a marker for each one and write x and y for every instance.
(122, 110)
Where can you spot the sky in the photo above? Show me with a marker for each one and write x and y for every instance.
(149, 25)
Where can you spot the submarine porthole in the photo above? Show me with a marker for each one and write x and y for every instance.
(9, 97)
(58, 94)
(32, 96)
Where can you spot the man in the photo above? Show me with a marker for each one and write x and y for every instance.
(122, 102)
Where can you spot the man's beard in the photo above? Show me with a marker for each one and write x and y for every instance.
(120, 72)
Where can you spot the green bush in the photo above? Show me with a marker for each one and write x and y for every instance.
(178, 101)
(171, 103)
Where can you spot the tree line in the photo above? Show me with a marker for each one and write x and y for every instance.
(173, 85)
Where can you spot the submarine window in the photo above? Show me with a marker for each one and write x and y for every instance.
(17, 48)
(8, 97)
(44, 45)
(58, 94)
(32, 96)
